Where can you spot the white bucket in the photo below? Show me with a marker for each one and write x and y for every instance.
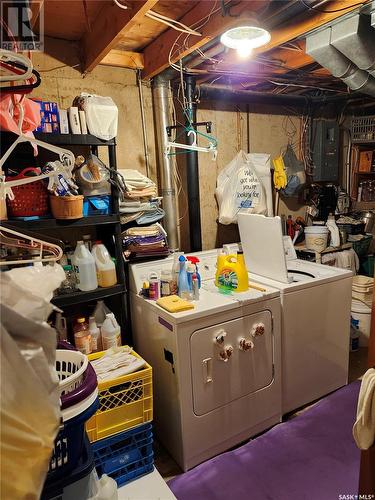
(361, 320)
(316, 238)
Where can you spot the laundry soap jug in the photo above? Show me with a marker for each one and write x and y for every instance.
(221, 258)
(105, 267)
(84, 268)
(100, 313)
(233, 273)
(111, 332)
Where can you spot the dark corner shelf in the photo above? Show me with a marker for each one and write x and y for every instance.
(81, 297)
(62, 224)
(73, 139)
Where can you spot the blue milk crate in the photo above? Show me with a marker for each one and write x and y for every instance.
(125, 456)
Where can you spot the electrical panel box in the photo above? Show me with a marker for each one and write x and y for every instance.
(324, 145)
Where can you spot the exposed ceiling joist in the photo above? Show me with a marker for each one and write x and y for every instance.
(111, 24)
(124, 59)
(157, 53)
(35, 6)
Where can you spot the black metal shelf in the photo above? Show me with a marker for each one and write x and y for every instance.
(62, 224)
(81, 297)
(73, 139)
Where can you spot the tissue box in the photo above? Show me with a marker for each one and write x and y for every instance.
(96, 205)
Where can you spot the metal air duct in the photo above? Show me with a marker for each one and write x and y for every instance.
(319, 46)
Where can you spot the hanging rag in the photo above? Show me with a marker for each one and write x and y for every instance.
(364, 427)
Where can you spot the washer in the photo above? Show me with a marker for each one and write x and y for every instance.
(204, 404)
(315, 302)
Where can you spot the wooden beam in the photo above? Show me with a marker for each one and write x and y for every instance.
(124, 59)
(36, 6)
(111, 24)
(156, 53)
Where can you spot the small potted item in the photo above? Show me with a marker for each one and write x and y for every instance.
(67, 207)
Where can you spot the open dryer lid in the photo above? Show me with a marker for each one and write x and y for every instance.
(265, 248)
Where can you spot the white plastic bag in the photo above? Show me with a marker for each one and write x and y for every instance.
(29, 396)
(101, 116)
(244, 184)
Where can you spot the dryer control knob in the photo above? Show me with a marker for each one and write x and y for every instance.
(226, 353)
(246, 345)
(220, 337)
(258, 330)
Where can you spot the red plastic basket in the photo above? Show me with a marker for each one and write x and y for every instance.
(29, 199)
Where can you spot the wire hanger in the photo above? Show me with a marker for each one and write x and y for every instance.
(25, 88)
(48, 252)
(12, 58)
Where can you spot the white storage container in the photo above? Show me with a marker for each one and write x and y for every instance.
(105, 267)
(361, 319)
(84, 268)
(316, 238)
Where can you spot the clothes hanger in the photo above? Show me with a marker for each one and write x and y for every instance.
(48, 252)
(12, 58)
(18, 89)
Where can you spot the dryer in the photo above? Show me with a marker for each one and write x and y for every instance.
(206, 400)
(315, 301)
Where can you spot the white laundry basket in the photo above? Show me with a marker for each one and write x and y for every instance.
(361, 320)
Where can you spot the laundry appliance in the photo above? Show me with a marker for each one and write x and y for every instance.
(216, 368)
(315, 301)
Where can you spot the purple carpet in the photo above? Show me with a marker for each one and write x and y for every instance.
(311, 457)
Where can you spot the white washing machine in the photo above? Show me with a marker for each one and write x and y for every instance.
(315, 302)
(203, 405)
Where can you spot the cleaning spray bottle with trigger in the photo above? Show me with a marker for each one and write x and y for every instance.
(184, 290)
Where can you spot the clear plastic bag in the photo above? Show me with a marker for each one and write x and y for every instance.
(101, 116)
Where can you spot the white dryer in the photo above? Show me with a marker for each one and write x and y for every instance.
(315, 302)
(204, 405)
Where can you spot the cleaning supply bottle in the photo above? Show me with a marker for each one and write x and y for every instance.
(190, 269)
(233, 273)
(334, 231)
(194, 260)
(221, 257)
(175, 272)
(105, 267)
(111, 332)
(100, 313)
(184, 290)
(84, 268)
(82, 337)
(96, 338)
(195, 287)
(61, 327)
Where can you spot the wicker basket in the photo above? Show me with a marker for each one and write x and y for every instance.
(67, 207)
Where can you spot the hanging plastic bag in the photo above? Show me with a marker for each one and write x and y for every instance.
(101, 115)
(244, 184)
(29, 397)
(296, 177)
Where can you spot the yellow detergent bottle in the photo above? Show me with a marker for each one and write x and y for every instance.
(232, 273)
(221, 258)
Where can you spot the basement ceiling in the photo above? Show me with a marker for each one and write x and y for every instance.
(110, 35)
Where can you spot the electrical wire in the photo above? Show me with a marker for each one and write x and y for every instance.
(171, 22)
(310, 7)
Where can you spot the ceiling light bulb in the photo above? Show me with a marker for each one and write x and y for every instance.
(249, 37)
(244, 51)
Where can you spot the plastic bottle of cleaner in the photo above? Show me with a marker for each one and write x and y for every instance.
(194, 260)
(100, 313)
(221, 257)
(190, 269)
(233, 273)
(334, 230)
(61, 327)
(84, 268)
(111, 332)
(175, 273)
(96, 338)
(184, 290)
(154, 290)
(82, 337)
(105, 267)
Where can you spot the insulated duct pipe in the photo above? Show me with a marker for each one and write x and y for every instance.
(161, 95)
(192, 174)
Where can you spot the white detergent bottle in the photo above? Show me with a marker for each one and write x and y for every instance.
(111, 332)
(334, 230)
(105, 267)
(100, 313)
(96, 338)
(84, 268)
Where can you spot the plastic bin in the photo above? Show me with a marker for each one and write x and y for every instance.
(69, 444)
(126, 456)
(74, 485)
(97, 205)
(361, 246)
(124, 403)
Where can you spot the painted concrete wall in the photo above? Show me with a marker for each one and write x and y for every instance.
(61, 85)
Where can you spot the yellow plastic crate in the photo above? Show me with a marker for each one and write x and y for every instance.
(124, 402)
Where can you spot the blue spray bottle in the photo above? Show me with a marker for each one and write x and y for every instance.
(183, 284)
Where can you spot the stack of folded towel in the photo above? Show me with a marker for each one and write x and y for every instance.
(140, 199)
(145, 242)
